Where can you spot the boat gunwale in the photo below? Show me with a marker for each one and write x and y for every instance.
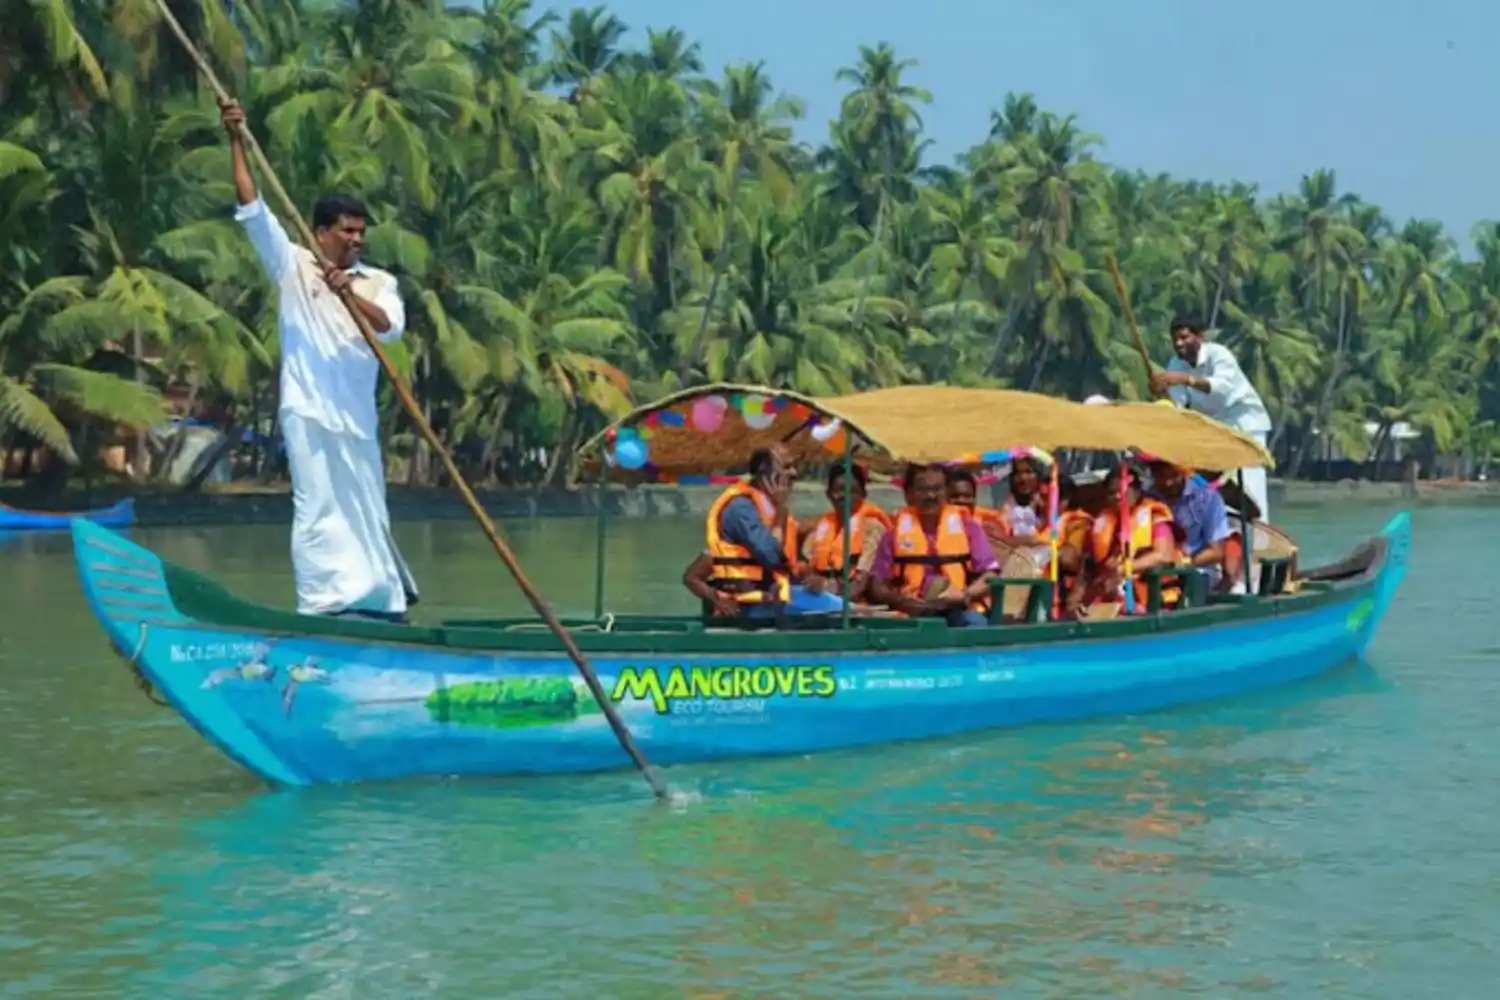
(444, 638)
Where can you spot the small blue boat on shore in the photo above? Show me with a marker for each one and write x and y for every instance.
(301, 700)
(117, 515)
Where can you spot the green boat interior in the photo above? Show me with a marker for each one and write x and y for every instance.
(209, 604)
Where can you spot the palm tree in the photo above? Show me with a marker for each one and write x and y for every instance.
(576, 222)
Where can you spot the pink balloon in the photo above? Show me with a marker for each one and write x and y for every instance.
(708, 414)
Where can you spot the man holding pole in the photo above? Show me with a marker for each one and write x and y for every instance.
(343, 557)
(1207, 378)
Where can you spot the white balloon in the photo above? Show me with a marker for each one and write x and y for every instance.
(825, 432)
(1096, 400)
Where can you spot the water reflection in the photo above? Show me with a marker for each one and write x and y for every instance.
(1083, 858)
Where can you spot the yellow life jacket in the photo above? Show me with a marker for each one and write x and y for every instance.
(913, 556)
(735, 570)
(827, 540)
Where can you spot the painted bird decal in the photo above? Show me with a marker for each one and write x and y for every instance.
(254, 669)
(306, 672)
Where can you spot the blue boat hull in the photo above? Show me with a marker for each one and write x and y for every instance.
(303, 709)
(119, 515)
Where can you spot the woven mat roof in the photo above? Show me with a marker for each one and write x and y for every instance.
(715, 428)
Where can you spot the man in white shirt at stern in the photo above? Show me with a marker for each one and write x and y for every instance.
(1206, 377)
(343, 557)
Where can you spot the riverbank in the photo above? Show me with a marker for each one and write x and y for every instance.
(273, 504)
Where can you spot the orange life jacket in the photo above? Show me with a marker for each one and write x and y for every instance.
(827, 539)
(991, 520)
(1143, 521)
(735, 570)
(1073, 528)
(913, 557)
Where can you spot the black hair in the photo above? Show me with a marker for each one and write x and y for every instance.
(332, 207)
(1186, 323)
(861, 475)
(958, 474)
(1067, 489)
(1027, 460)
(762, 463)
(1137, 474)
(915, 469)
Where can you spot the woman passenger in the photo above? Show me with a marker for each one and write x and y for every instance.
(823, 547)
(1152, 540)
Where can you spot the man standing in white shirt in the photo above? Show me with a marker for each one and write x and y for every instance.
(1206, 377)
(343, 557)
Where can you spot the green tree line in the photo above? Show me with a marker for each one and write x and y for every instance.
(579, 224)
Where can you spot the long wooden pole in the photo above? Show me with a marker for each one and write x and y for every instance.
(1140, 342)
(491, 531)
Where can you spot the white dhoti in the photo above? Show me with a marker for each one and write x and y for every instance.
(343, 556)
(1255, 485)
(1256, 482)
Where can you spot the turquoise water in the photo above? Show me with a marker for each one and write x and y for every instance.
(1335, 839)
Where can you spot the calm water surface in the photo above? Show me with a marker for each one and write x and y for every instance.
(1336, 839)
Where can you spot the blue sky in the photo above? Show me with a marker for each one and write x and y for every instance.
(1400, 97)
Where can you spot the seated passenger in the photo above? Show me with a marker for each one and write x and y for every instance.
(1025, 511)
(933, 562)
(752, 546)
(1152, 543)
(1073, 527)
(823, 551)
(963, 492)
(1199, 516)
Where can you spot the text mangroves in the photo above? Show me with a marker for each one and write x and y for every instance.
(664, 686)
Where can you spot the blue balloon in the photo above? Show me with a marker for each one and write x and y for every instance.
(631, 453)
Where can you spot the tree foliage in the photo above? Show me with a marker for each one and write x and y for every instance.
(579, 225)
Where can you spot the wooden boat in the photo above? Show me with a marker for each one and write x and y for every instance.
(118, 515)
(301, 700)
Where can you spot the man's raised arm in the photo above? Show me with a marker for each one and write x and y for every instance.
(272, 245)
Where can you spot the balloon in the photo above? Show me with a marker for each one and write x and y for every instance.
(837, 442)
(628, 434)
(826, 432)
(708, 413)
(757, 411)
(671, 418)
(631, 453)
(1097, 400)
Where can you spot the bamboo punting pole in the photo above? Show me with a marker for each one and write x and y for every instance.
(491, 531)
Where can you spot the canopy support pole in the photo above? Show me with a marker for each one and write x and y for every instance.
(1247, 532)
(1127, 562)
(1054, 542)
(599, 536)
(847, 571)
